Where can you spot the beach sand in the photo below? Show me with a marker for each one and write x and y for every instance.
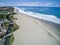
(34, 31)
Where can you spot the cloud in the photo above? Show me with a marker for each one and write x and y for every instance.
(33, 4)
(27, 4)
(47, 4)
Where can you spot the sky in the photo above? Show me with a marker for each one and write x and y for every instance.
(52, 3)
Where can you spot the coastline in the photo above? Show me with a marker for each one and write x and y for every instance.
(36, 30)
(7, 25)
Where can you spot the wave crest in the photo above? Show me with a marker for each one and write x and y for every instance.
(51, 18)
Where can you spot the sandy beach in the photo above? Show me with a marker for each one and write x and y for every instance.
(33, 31)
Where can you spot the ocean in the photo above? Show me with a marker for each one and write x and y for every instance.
(46, 13)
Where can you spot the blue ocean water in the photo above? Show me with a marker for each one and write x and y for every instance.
(43, 10)
(46, 13)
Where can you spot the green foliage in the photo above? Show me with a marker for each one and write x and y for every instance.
(15, 27)
(6, 9)
(5, 25)
(10, 40)
(6, 12)
(4, 15)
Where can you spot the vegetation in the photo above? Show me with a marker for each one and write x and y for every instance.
(9, 16)
(8, 13)
(10, 40)
(15, 27)
(6, 9)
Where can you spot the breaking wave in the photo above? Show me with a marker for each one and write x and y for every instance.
(51, 18)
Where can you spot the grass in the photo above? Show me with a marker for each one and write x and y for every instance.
(10, 40)
(15, 27)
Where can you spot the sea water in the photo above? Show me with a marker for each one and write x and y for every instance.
(46, 13)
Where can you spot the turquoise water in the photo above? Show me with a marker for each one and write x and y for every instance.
(43, 10)
(47, 13)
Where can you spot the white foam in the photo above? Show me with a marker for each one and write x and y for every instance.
(51, 18)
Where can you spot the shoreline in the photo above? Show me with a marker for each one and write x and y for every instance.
(50, 18)
(28, 24)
